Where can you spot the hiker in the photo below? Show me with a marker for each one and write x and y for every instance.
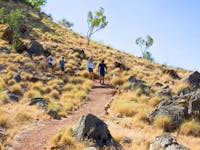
(62, 65)
(102, 68)
(90, 67)
(51, 60)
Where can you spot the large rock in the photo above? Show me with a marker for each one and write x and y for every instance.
(194, 79)
(35, 48)
(172, 73)
(178, 108)
(92, 128)
(166, 142)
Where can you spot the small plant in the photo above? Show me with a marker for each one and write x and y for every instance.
(66, 23)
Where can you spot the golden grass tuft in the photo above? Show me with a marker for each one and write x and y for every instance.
(3, 98)
(190, 128)
(163, 121)
(23, 116)
(55, 94)
(2, 84)
(117, 81)
(32, 94)
(16, 89)
(64, 139)
(4, 121)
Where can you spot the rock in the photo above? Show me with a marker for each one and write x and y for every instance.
(185, 91)
(5, 50)
(19, 46)
(166, 142)
(172, 73)
(121, 66)
(158, 84)
(166, 92)
(119, 115)
(8, 35)
(194, 79)
(13, 97)
(3, 135)
(53, 114)
(17, 77)
(35, 48)
(125, 140)
(194, 105)
(89, 127)
(34, 101)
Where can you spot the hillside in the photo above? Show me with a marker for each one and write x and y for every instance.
(139, 84)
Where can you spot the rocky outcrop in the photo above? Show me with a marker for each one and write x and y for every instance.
(194, 79)
(35, 48)
(92, 128)
(178, 108)
(121, 66)
(166, 142)
(172, 73)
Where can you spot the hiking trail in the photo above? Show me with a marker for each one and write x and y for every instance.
(37, 135)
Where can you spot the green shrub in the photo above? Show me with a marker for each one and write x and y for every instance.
(3, 15)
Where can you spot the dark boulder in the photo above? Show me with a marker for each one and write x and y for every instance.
(35, 48)
(13, 97)
(166, 142)
(34, 101)
(8, 35)
(53, 114)
(194, 79)
(121, 66)
(17, 77)
(158, 84)
(172, 73)
(165, 92)
(92, 128)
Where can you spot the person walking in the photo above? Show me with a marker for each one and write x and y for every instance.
(90, 67)
(50, 62)
(102, 68)
(62, 65)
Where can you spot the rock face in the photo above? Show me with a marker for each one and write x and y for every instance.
(35, 48)
(194, 79)
(166, 142)
(172, 73)
(178, 108)
(92, 128)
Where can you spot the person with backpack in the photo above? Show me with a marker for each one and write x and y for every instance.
(102, 68)
(90, 67)
(62, 64)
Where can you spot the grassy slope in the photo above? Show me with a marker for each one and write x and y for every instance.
(51, 34)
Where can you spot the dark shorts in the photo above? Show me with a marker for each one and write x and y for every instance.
(62, 68)
(90, 69)
(102, 73)
(50, 65)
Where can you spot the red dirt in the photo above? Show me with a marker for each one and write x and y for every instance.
(37, 135)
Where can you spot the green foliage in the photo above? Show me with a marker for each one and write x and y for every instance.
(66, 23)
(13, 20)
(148, 55)
(18, 45)
(96, 23)
(3, 15)
(36, 3)
(144, 45)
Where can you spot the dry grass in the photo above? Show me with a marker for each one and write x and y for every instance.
(23, 116)
(64, 140)
(3, 98)
(163, 122)
(16, 89)
(190, 128)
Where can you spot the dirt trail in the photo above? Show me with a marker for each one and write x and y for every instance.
(37, 136)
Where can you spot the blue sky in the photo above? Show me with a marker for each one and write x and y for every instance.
(173, 24)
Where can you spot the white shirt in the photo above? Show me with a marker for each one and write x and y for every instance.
(90, 64)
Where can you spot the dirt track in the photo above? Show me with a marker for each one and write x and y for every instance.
(37, 136)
